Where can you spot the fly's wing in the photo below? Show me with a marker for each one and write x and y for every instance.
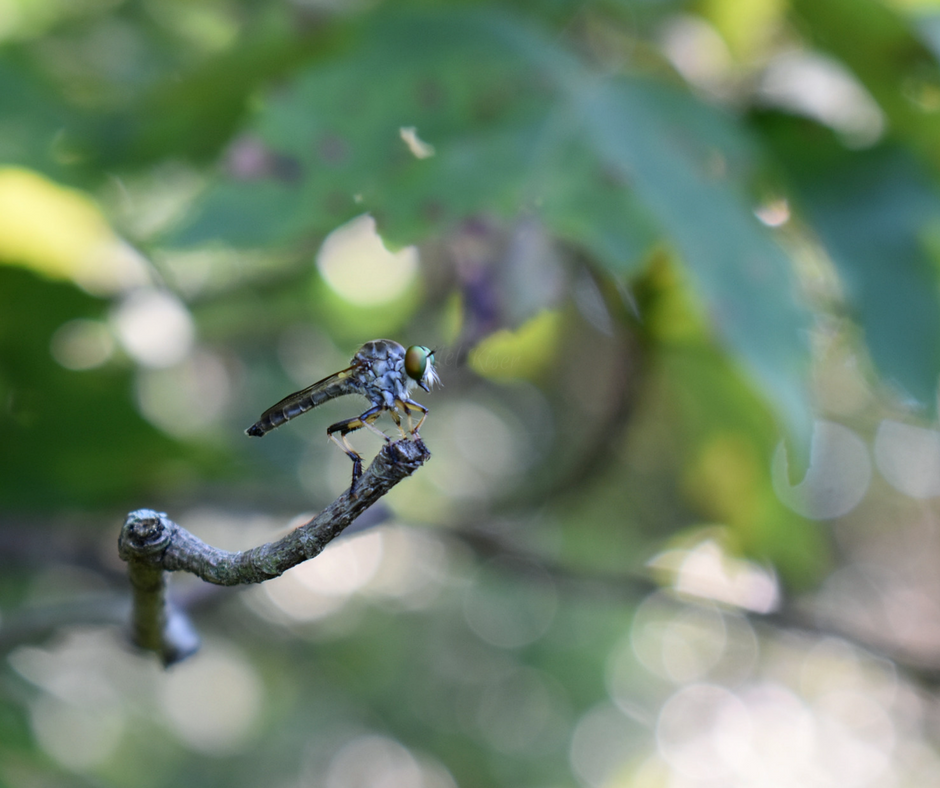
(301, 401)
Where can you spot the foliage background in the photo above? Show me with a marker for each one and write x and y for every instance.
(679, 261)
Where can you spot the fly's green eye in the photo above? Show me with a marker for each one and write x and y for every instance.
(416, 361)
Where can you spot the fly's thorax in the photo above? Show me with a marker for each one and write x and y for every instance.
(381, 374)
(385, 389)
(381, 350)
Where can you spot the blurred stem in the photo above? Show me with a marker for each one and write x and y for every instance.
(152, 545)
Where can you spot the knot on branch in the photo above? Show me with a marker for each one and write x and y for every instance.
(145, 536)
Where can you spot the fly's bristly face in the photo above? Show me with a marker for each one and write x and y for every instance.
(419, 366)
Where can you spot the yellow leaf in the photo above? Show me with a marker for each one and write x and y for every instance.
(60, 233)
(523, 353)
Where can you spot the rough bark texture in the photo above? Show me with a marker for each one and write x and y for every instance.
(152, 545)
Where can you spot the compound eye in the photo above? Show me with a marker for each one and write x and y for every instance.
(416, 361)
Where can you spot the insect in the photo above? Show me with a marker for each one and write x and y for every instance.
(384, 373)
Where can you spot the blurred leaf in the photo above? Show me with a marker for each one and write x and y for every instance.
(740, 273)
(201, 105)
(523, 353)
(70, 437)
(746, 27)
(517, 124)
(248, 215)
(874, 212)
(726, 439)
(61, 233)
(888, 56)
(339, 125)
(32, 116)
(488, 109)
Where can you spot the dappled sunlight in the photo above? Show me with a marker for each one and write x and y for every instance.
(887, 604)
(680, 646)
(376, 761)
(838, 477)
(822, 88)
(80, 718)
(699, 732)
(418, 147)
(774, 213)
(351, 565)
(318, 588)
(82, 711)
(356, 265)
(698, 52)
(604, 744)
(414, 567)
(213, 704)
(483, 448)
(82, 344)
(804, 712)
(154, 327)
(80, 732)
(674, 521)
(94, 692)
(390, 564)
(706, 571)
(293, 599)
(186, 397)
(909, 458)
(498, 455)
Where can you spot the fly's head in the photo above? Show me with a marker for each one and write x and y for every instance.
(419, 366)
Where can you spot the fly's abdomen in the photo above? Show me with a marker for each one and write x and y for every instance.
(299, 403)
(274, 418)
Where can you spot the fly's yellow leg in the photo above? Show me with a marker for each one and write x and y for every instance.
(350, 425)
(409, 405)
(368, 423)
(393, 412)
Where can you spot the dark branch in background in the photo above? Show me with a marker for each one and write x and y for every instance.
(39, 623)
(152, 545)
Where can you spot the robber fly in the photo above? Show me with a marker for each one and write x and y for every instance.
(383, 372)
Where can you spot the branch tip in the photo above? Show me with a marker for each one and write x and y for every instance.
(145, 534)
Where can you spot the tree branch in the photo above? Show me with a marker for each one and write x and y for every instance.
(152, 545)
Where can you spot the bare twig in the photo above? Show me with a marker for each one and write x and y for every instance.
(152, 544)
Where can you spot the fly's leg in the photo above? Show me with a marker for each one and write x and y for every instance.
(350, 452)
(409, 405)
(368, 423)
(350, 425)
(397, 419)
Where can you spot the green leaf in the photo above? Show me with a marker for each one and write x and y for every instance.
(888, 56)
(742, 275)
(75, 436)
(519, 126)
(477, 96)
(31, 117)
(873, 211)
